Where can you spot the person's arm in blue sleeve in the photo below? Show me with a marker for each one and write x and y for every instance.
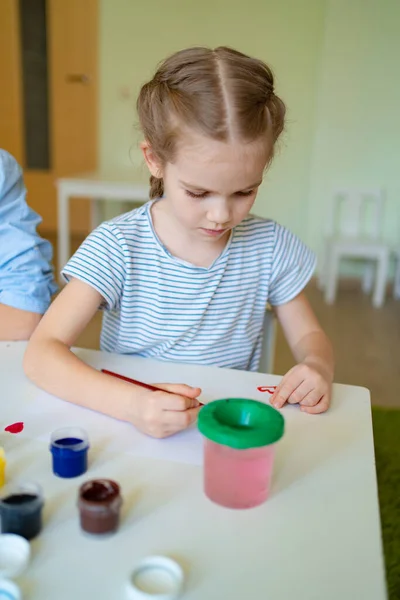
(26, 275)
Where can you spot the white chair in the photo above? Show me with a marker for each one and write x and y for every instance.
(354, 230)
(396, 283)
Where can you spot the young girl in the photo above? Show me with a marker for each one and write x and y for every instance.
(187, 276)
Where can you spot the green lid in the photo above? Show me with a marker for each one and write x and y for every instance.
(241, 423)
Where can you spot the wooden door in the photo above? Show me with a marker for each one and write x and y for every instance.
(10, 81)
(50, 125)
(72, 26)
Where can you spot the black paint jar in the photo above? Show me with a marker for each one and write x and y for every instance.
(21, 510)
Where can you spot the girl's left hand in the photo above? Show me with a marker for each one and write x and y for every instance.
(307, 385)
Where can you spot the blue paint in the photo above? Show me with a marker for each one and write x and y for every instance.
(69, 456)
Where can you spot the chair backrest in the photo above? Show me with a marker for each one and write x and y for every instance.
(356, 213)
(268, 343)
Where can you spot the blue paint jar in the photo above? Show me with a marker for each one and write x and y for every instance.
(69, 448)
(21, 510)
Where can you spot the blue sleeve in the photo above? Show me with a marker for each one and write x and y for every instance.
(26, 274)
(100, 262)
(293, 265)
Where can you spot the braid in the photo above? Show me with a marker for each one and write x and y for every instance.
(156, 187)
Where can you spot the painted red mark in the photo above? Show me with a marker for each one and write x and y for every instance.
(269, 388)
(15, 427)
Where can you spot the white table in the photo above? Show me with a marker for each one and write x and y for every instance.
(97, 186)
(316, 538)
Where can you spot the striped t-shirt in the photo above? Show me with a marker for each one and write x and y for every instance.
(159, 306)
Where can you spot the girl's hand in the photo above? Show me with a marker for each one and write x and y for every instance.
(307, 385)
(161, 414)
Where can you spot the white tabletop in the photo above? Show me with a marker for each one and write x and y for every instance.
(317, 537)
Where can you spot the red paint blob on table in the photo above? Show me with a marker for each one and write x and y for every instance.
(268, 388)
(15, 427)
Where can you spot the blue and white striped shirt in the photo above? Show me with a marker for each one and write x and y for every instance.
(162, 307)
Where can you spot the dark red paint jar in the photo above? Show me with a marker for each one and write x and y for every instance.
(99, 504)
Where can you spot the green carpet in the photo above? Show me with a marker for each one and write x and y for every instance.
(386, 423)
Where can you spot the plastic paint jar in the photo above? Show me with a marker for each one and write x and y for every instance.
(99, 504)
(21, 510)
(239, 437)
(9, 590)
(156, 578)
(2, 467)
(69, 448)
(15, 553)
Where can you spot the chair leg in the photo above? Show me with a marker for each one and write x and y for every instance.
(321, 278)
(63, 231)
(268, 343)
(331, 277)
(396, 284)
(368, 278)
(381, 279)
(95, 213)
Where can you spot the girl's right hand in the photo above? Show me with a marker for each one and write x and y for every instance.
(161, 414)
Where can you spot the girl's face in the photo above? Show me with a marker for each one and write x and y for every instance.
(211, 186)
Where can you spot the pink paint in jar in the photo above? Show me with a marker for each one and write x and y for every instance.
(239, 444)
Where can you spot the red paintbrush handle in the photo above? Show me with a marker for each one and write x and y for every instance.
(152, 388)
(129, 380)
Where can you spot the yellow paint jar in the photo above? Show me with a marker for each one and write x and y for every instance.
(2, 467)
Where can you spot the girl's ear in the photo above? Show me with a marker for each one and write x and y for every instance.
(152, 161)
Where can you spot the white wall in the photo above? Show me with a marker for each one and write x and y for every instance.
(135, 36)
(337, 68)
(357, 135)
